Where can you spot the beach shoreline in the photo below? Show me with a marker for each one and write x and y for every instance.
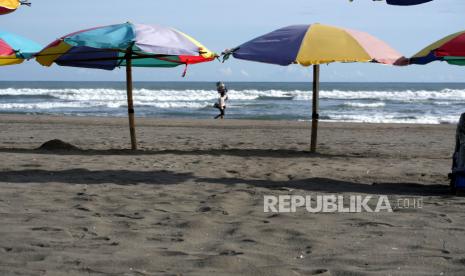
(190, 201)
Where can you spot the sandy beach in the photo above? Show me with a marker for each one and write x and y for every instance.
(190, 201)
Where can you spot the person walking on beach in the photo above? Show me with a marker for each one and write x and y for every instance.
(223, 97)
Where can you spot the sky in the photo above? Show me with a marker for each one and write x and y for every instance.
(226, 24)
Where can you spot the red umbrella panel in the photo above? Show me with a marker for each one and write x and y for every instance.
(450, 49)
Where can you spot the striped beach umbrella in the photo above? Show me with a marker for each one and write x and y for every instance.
(129, 45)
(8, 6)
(450, 49)
(314, 45)
(14, 49)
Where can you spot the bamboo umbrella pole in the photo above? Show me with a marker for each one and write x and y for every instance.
(315, 107)
(132, 128)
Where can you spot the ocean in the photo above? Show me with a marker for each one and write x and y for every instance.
(426, 103)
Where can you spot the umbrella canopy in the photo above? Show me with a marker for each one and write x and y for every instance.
(8, 6)
(450, 49)
(15, 49)
(407, 2)
(404, 2)
(314, 45)
(107, 48)
(126, 45)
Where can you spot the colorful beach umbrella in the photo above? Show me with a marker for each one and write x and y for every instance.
(407, 2)
(404, 2)
(450, 49)
(314, 45)
(14, 49)
(8, 6)
(129, 45)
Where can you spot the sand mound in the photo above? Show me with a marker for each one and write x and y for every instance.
(56, 144)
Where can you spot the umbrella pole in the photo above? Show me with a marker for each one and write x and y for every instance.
(315, 106)
(132, 128)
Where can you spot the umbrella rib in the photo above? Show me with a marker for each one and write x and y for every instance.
(117, 58)
(83, 52)
(135, 56)
(160, 57)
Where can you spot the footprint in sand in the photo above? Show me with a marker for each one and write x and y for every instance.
(204, 209)
(47, 229)
(85, 229)
(81, 208)
(102, 239)
(41, 245)
(177, 240)
(155, 239)
(372, 223)
(230, 253)
(173, 253)
(446, 218)
(134, 216)
(249, 241)
(320, 272)
(273, 216)
(461, 261)
(83, 197)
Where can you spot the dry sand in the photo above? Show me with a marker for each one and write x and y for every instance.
(190, 202)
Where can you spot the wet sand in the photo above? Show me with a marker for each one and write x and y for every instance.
(190, 201)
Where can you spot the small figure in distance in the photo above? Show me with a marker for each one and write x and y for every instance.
(223, 97)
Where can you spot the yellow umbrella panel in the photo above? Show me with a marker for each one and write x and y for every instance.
(8, 6)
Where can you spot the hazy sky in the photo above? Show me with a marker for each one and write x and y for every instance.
(224, 24)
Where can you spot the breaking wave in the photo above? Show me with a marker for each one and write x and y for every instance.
(102, 94)
(375, 106)
(365, 105)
